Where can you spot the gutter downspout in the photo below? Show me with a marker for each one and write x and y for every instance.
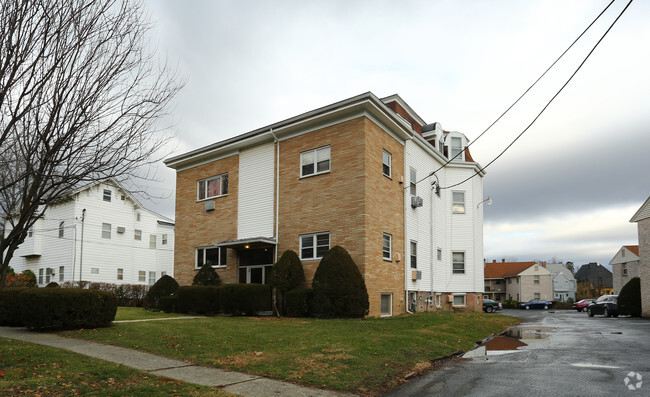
(277, 210)
(81, 253)
(405, 204)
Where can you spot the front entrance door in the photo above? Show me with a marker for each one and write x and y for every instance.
(255, 265)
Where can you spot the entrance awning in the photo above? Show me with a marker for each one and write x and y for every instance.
(255, 242)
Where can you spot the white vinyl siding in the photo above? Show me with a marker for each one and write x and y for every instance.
(255, 204)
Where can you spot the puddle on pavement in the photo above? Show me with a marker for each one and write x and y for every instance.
(515, 337)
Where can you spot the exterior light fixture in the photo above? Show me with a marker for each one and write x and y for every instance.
(487, 200)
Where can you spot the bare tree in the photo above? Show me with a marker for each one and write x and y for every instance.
(81, 98)
(569, 265)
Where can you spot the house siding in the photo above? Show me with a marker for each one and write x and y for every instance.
(644, 263)
(255, 206)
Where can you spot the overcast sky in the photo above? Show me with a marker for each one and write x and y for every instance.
(566, 189)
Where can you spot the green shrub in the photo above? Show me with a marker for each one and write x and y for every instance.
(67, 308)
(165, 286)
(559, 305)
(629, 299)
(245, 299)
(53, 284)
(206, 276)
(198, 299)
(299, 302)
(29, 277)
(510, 304)
(169, 304)
(131, 295)
(286, 275)
(9, 306)
(339, 288)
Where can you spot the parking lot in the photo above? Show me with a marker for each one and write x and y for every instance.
(552, 353)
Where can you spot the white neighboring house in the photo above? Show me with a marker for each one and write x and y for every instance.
(564, 283)
(98, 233)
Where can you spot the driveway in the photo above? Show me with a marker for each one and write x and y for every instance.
(556, 353)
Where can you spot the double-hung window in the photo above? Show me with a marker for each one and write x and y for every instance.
(137, 234)
(216, 186)
(386, 164)
(536, 279)
(213, 256)
(106, 230)
(164, 239)
(152, 241)
(107, 195)
(314, 162)
(456, 148)
(459, 299)
(314, 246)
(413, 182)
(458, 203)
(414, 255)
(61, 229)
(387, 246)
(458, 262)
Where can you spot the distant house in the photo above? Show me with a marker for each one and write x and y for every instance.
(520, 281)
(625, 266)
(98, 233)
(594, 280)
(642, 219)
(564, 283)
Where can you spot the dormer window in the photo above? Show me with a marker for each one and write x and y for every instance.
(456, 148)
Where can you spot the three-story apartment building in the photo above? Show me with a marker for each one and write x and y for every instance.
(357, 173)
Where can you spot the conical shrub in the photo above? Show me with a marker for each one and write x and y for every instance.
(206, 276)
(339, 288)
(629, 299)
(165, 286)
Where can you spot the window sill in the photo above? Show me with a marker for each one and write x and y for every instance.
(310, 259)
(211, 198)
(214, 267)
(387, 259)
(388, 176)
(316, 174)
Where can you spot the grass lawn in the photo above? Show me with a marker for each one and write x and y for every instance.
(365, 356)
(31, 369)
(138, 313)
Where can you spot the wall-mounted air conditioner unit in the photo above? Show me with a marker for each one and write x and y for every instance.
(416, 201)
(398, 257)
(400, 179)
(121, 229)
(209, 205)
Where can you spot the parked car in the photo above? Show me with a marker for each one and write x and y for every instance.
(536, 304)
(582, 305)
(490, 306)
(605, 305)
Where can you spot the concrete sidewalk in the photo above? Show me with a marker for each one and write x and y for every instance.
(233, 382)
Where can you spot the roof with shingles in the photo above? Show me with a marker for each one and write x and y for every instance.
(505, 269)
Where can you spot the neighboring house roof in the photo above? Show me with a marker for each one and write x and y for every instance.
(643, 212)
(595, 273)
(633, 248)
(557, 268)
(505, 269)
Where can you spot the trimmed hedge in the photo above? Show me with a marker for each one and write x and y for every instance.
(67, 308)
(629, 299)
(206, 276)
(339, 288)
(299, 302)
(9, 306)
(165, 286)
(245, 299)
(197, 299)
(131, 295)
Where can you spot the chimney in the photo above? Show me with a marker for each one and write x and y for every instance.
(503, 261)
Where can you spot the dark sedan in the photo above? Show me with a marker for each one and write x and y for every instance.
(582, 305)
(605, 305)
(536, 304)
(490, 306)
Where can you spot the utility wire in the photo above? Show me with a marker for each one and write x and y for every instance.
(547, 104)
(522, 95)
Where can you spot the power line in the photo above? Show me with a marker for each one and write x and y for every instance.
(548, 103)
(521, 96)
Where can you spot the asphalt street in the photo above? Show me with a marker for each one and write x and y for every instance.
(552, 353)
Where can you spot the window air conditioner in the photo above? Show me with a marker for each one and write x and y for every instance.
(416, 201)
(209, 205)
(121, 229)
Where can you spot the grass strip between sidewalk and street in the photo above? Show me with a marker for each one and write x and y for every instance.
(30, 369)
(365, 356)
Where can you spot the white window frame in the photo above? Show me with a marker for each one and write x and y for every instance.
(142, 276)
(453, 301)
(40, 276)
(414, 254)
(314, 245)
(454, 150)
(390, 247)
(106, 230)
(413, 180)
(94, 270)
(390, 304)
(107, 195)
(120, 274)
(221, 257)
(453, 270)
(30, 232)
(61, 273)
(439, 254)
(438, 299)
(537, 295)
(137, 234)
(386, 161)
(153, 240)
(624, 269)
(536, 279)
(164, 239)
(202, 187)
(316, 153)
(61, 229)
(458, 206)
(152, 278)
